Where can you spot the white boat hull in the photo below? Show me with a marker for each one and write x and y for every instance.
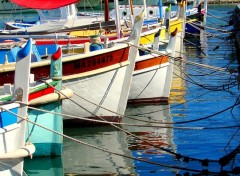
(10, 166)
(103, 90)
(148, 85)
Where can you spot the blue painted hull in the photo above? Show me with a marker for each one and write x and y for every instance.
(191, 29)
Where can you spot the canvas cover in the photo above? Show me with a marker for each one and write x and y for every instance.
(44, 4)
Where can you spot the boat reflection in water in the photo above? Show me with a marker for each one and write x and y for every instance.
(162, 137)
(81, 159)
(43, 166)
(178, 87)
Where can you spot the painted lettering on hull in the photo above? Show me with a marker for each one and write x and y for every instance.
(74, 67)
(95, 62)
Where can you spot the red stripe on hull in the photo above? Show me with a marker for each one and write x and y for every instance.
(151, 62)
(149, 101)
(76, 66)
(40, 93)
(95, 62)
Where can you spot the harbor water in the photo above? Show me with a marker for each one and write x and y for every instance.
(198, 133)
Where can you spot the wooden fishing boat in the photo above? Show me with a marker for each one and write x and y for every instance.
(45, 96)
(152, 75)
(13, 148)
(104, 90)
(196, 15)
(100, 78)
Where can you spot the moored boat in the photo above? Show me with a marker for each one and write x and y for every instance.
(153, 74)
(102, 77)
(13, 121)
(46, 97)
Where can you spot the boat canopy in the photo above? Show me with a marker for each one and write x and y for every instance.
(63, 13)
(44, 5)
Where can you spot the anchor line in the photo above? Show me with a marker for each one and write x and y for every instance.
(228, 144)
(223, 87)
(221, 74)
(209, 34)
(176, 58)
(107, 91)
(179, 156)
(149, 121)
(223, 70)
(237, 104)
(212, 28)
(216, 11)
(102, 119)
(214, 16)
(205, 74)
(161, 122)
(106, 150)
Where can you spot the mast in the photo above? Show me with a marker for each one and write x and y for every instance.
(205, 12)
(118, 24)
(160, 9)
(131, 11)
(106, 11)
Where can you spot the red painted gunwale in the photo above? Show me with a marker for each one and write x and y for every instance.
(76, 66)
(40, 93)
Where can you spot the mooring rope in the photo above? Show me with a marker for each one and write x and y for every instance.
(212, 28)
(115, 153)
(148, 121)
(217, 11)
(223, 87)
(222, 160)
(177, 58)
(218, 17)
(212, 73)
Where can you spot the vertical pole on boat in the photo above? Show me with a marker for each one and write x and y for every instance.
(56, 107)
(160, 9)
(144, 9)
(56, 68)
(131, 11)
(167, 20)
(21, 88)
(118, 24)
(205, 12)
(106, 11)
(171, 48)
(182, 16)
(134, 39)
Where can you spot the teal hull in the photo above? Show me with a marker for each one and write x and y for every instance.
(47, 166)
(47, 143)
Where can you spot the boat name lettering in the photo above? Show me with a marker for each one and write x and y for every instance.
(92, 62)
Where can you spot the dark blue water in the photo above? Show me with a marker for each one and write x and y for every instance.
(191, 136)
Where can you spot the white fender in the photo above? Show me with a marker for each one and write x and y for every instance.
(25, 151)
(52, 97)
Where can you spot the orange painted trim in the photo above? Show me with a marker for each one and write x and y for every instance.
(151, 62)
